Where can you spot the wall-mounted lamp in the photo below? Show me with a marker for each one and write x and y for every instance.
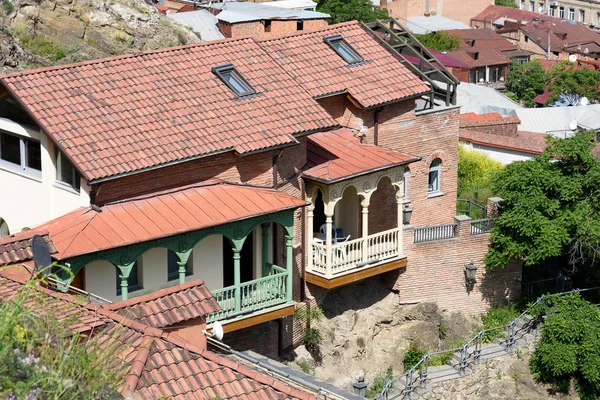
(470, 273)
(406, 215)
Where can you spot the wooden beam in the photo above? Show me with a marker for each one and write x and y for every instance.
(258, 319)
(355, 276)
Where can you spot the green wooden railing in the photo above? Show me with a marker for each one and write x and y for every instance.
(254, 295)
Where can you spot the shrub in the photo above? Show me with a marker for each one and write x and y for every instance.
(496, 317)
(412, 356)
(440, 41)
(360, 342)
(379, 382)
(8, 6)
(312, 335)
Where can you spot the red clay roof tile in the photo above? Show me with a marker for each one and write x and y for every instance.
(526, 142)
(16, 248)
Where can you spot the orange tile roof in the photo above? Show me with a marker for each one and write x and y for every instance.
(156, 363)
(483, 38)
(526, 142)
(486, 56)
(337, 155)
(474, 119)
(321, 71)
(128, 113)
(16, 248)
(169, 306)
(161, 214)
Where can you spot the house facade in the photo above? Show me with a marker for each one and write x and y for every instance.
(274, 169)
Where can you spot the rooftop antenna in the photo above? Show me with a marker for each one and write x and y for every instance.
(41, 256)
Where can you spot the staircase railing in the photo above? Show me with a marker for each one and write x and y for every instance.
(469, 353)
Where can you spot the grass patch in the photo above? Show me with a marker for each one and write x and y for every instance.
(44, 47)
(495, 317)
(379, 382)
(304, 366)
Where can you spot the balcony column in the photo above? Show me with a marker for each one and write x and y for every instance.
(236, 279)
(328, 243)
(125, 272)
(289, 266)
(365, 229)
(182, 261)
(309, 238)
(400, 217)
(265, 229)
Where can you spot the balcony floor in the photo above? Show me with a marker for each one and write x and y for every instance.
(357, 275)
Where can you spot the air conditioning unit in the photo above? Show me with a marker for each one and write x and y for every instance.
(554, 3)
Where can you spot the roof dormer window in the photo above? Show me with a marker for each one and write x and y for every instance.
(343, 48)
(234, 79)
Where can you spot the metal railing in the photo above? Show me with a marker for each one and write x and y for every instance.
(437, 232)
(470, 208)
(469, 353)
(481, 226)
(251, 296)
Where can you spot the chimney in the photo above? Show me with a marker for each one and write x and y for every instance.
(474, 55)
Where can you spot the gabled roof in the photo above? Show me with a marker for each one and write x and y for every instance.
(129, 113)
(169, 306)
(485, 56)
(482, 38)
(337, 155)
(526, 142)
(157, 363)
(16, 248)
(321, 71)
(170, 212)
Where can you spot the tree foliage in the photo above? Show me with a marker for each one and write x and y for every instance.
(551, 206)
(570, 345)
(565, 79)
(348, 10)
(526, 81)
(440, 41)
(506, 3)
(476, 171)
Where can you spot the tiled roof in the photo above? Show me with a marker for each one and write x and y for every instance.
(485, 56)
(17, 247)
(473, 119)
(169, 306)
(321, 71)
(526, 142)
(159, 364)
(338, 155)
(482, 38)
(127, 113)
(162, 214)
(443, 58)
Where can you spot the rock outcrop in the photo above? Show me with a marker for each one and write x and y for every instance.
(48, 32)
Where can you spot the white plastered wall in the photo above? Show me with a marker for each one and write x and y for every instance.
(505, 156)
(30, 201)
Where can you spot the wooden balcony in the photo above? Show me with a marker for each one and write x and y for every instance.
(356, 259)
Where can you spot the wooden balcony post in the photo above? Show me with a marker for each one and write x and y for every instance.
(365, 229)
(400, 208)
(328, 244)
(236, 279)
(289, 266)
(265, 229)
(309, 236)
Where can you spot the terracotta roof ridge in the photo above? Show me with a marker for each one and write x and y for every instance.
(137, 365)
(153, 295)
(23, 235)
(307, 32)
(66, 248)
(121, 57)
(130, 323)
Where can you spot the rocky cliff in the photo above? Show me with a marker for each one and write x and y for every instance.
(38, 33)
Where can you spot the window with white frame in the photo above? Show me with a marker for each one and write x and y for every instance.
(571, 14)
(522, 5)
(561, 12)
(434, 176)
(4, 231)
(552, 11)
(532, 5)
(21, 153)
(582, 16)
(65, 172)
(134, 281)
(173, 266)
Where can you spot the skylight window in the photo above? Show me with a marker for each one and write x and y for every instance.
(343, 48)
(234, 80)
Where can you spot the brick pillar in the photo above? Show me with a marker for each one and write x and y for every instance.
(493, 205)
(464, 225)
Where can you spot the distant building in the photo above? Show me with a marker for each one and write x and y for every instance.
(458, 10)
(433, 23)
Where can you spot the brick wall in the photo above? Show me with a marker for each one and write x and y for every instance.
(435, 272)
(255, 169)
(505, 126)
(262, 339)
(276, 28)
(458, 10)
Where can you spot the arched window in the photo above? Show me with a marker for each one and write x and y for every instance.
(434, 176)
(4, 228)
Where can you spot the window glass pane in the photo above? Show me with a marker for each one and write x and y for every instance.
(10, 148)
(65, 172)
(433, 181)
(235, 83)
(34, 154)
(344, 51)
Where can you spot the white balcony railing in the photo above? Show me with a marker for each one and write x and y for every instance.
(356, 253)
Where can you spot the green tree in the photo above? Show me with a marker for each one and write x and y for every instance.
(551, 206)
(440, 41)
(570, 345)
(476, 171)
(506, 3)
(526, 81)
(349, 10)
(564, 78)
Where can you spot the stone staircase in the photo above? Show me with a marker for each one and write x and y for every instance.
(525, 331)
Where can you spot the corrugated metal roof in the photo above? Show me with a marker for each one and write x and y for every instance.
(307, 5)
(338, 154)
(557, 120)
(234, 12)
(166, 213)
(422, 24)
(201, 21)
(484, 100)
